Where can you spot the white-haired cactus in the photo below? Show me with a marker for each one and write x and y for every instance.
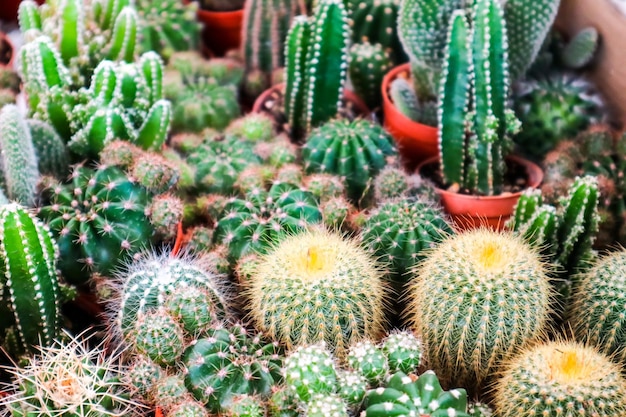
(28, 278)
(368, 64)
(326, 405)
(316, 66)
(351, 387)
(403, 350)
(407, 395)
(369, 360)
(310, 370)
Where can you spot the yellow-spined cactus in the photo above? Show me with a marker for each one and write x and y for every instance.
(318, 286)
(477, 298)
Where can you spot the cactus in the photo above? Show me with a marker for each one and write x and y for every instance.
(369, 360)
(405, 395)
(167, 26)
(315, 75)
(158, 336)
(245, 406)
(324, 186)
(120, 153)
(18, 160)
(254, 177)
(310, 370)
(194, 311)
(351, 387)
(190, 67)
(406, 101)
(68, 379)
(154, 172)
(403, 350)
(326, 405)
(479, 409)
(401, 231)
(492, 283)
(265, 27)
(368, 64)
(188, 409)
(31, 294)
(142, 376)
(228, 362)
(253, 127)
(355, 150)
(256, 223)
(581, 48)
(283, 403)
(170, 391)
(563, 378)
(349, 296)
(52, 153)
(98, 219)
(166, 212)
(335, 212)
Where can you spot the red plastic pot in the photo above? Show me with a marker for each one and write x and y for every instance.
(8, 10)
(470, 211)
(222, 30)
(416, 142)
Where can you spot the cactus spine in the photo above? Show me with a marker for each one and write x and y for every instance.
(368, 64)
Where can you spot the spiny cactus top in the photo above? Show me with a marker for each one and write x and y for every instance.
(99, 220)
(229, 361)
(318, 286)
(310, 370)
(560, 378)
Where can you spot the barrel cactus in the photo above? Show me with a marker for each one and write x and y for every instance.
(403, 350)
(326, 405)
(367, 66)
(310, 370)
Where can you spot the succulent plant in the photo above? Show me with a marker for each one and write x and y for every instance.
(355, 151)
(166, 212)
(317, 286)
(326, 405)
(495, 287)
(158, 336)
(142, 376)
(560, 378)
(245, 406)
(351, 387)
(170, 391)
(255, 224)
(409, 104)
(253, 127)
(368, 64)
(336, 212)
(230, 361)
(369, 360)
(403, 350)
(188, 408)
(98, 219)
(310, 370)
(283, 403)
(52, 153)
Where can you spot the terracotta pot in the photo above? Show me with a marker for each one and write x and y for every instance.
(222, 30)
(416, 142)
(7, 51)
(8, 10)
(470, 211)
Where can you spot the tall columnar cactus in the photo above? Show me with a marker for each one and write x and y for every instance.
(256, 223)
(230, 361)
(266, 24)
(316, 66)
(52, 153)
(405, 395)
(474, 124)
(478, 297)
(560, 378)
(99, 220)
(355, 150)
(317, 286)
(367, 66)
(30, 288)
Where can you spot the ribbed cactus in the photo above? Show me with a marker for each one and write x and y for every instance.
(318, 286)
(265, 28)
(355, 150)
(52, 153)
(351, 387)
(369, 360)
(31, 295)
(316, 67)
(368, 64)
(403, 350)
(400, 231)
(142, 376)
(474, 123)
(230, 361)
(326, 405)
(410, 395)
(188, 409)
(560, 378)
(99, 220)
(256, 223)
(310, 370)
(245, 406)
(158, 336)
(475, 300)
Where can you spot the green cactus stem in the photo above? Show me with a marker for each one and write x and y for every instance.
(368, 64)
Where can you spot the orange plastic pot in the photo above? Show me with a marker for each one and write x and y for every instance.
(470, 211)
(222, 30)
(415, 141)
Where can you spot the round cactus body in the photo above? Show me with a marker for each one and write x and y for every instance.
(352, 387)
(403, 350)
(400, 232)
(326, 405)
(188, 408)
(324, 186)
(310, 370)
(253, 127)
(194, 310)
(283, 403)
(318, 286)
(228, 362)
(256, 223)
(99, 221)
(560, 379)
(369, 360)
(478, 297)
(245, 406)
(142, 376)
(170, 391)
(158, 336)
(355, 150)
(367, 67)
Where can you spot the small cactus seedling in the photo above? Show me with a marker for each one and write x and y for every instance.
(367, 66)
(326, 405)
(245, 406)
(166, 212)
(158, 336)
(403, 350)
(351, 387)
(229, 361)
(478, 297)
(318, 286)
(310, 370)
(369, 360)
(154, 172)
(188, 408)
(560, 378)
(142, 376)
(170, 391)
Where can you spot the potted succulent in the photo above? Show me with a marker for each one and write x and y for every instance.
(479, 182)
(410, 91)
(222, 21)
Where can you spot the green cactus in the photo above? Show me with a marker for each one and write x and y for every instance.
(581, 48)
(31, 294)
(120, 153)
(408, 103)
(369, 360)
(403, 350)
(355, 150)
(368, 64)
(189, 67)
(255, 224)
(405, 395)
(154, 172)
(351, 387)
(52, 153)
(316, 66)
(142, 376)
(335, 212)
(324, 186)
(479, 409)
(481, 281)
(167, 26)
(19, 172)
(245, 406)
(283, 403)
(170, 391)
(401, 231)
(326, 405)
(310, 370)
(166, 212)
(560, 378)
(253, 127)
(98, 219)
(188, 408)
(158, 336)
(229, 361)
(318, 286)
(194, 310)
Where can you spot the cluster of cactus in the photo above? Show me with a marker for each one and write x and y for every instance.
(265, 28)
(477, 298)
(354, 150)
(410, 105)
(316, 51)
(167, 26)
(318, 286)
(393, 182)
(368, 64)
(9, 85)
